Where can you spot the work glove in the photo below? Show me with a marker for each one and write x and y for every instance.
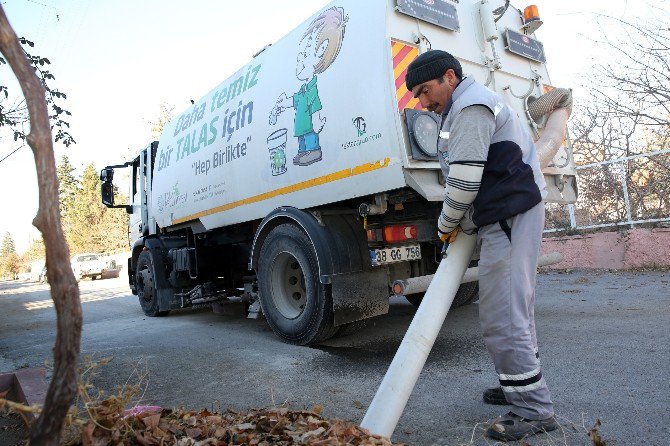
(449, 237)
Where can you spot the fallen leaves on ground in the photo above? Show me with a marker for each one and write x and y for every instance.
(594, 435)
(259, 427)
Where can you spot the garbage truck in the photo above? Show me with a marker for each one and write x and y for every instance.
(309, 180)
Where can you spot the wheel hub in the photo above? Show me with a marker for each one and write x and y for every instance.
(289, 291)
(145, 282)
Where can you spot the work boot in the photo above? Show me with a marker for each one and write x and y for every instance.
(495, 395)
(510, 427)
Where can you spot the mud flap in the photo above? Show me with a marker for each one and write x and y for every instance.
(360, 295)
(166, 298)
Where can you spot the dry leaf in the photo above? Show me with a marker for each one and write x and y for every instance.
(87, 435)
(194, 433)
(314, 433)
(151, 421)
(260, 427)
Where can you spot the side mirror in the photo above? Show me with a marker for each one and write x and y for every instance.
(107, 187)
(107, 192)
(107, 175)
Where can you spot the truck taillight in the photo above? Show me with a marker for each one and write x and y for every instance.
(399, 233)
(375, 235)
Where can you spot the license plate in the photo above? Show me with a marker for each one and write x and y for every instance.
(392, 255)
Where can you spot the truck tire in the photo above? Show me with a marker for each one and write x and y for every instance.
(466, 294)
(145, 285)
(297, 306)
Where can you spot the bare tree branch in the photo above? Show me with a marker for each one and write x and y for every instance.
(64, 290)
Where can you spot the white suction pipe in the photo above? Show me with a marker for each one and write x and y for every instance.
(391, 397)
(551, 112)
(553, 136)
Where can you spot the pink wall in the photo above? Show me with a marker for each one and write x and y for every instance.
(636, 248)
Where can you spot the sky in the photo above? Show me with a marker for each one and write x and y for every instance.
(117, 61)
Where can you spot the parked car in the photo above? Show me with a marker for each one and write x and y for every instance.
(87, 265)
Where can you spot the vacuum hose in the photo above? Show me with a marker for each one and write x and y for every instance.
(550, 111)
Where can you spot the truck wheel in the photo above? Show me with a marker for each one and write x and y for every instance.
(296, 304)
(466, 294)
(145, 285)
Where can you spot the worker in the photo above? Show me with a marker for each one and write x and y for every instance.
(494, 187)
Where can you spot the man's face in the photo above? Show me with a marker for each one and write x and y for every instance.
(435, 94)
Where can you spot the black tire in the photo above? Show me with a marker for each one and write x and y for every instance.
(146, 286)
(351, 327)
(467, 294)
(94, 277)
(296, 304)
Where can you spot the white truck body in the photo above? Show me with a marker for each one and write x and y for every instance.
(309, 179)
(215, 160)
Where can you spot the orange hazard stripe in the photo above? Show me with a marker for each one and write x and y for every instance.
(339, 175)
(402, 55)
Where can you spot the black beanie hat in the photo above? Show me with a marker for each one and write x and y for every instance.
(431, 65)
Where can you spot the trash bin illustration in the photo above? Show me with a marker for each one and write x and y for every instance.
(277, 148)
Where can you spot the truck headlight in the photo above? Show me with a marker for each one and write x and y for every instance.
(423, 128)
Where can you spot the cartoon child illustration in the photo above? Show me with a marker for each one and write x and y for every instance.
(318, 48)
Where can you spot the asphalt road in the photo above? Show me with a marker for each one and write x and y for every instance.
(604, 342)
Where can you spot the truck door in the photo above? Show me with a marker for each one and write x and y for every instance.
(136, 201)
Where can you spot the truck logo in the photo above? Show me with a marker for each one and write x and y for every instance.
(360, 125)
(318, 48)
(362, 135)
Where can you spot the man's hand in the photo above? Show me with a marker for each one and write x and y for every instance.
(450, 237)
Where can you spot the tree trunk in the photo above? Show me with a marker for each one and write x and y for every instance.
(46, 430)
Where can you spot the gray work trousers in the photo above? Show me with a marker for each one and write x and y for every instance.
(507, 271)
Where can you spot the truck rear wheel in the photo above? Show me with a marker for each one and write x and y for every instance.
(145, 285)
(467, 293)
(296, 304)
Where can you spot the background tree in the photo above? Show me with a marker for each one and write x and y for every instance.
(14, 111)
(91, 227)
(35, 251)
(629, 94)
(9, 260)
(68, 185)
(47, 429)
(165, 114)
(627, 112)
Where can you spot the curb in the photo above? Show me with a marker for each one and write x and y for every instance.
(26, 386)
